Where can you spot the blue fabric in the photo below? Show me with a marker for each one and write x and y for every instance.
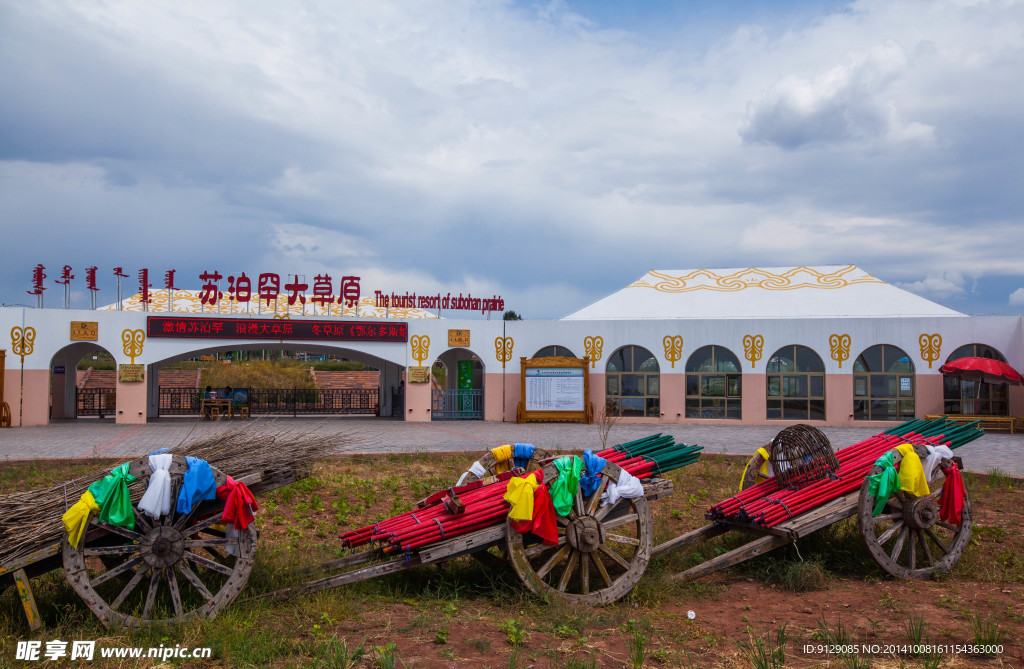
(591, 480)
(197, 485)
(159, 451)
(521, 454)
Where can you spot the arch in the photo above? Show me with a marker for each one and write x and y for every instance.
(554, 351)
(795, 376)
(883, 384)
(714, 384)
(975, 397)
(67, 400)
(632, 383)
(463, 396)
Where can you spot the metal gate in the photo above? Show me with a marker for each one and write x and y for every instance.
(456, 404)
(95, 402)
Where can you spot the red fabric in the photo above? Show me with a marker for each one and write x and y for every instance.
(239, 503)
(982, 369)
(543, 523)
(951, 504)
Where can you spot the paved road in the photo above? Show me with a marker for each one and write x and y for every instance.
(102, 438)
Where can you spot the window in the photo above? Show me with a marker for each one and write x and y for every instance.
(633, 383)
(554, 352)
(713, 384)
(796, 384)
(961, 396)
(883, 384)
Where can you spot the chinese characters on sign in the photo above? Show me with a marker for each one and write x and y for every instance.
(188, 327)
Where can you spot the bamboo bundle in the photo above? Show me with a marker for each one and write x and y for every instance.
(30, 521)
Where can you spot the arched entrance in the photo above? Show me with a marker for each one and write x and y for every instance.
(322, 384)
(87, 393)
(462, 397)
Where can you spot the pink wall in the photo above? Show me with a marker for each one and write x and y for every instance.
(131, 403)
(37, 396)
(11, 383)
(493, 409)
(928, 395)
(755, 396)
(839, 399)
(1017, 401)
(417, 402)
(673, 398)
(597, 392)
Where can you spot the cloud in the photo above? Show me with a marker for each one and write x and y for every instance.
(943, 284)
(845, 103)
(1017, 297)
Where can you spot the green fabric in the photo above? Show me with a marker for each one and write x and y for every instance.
(563, 490)
(112, 496)
(883, 484)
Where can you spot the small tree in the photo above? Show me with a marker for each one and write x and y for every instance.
(511, 316)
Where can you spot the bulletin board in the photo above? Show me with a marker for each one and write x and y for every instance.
(554, 389)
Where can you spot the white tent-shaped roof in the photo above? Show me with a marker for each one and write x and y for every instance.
(829, 291)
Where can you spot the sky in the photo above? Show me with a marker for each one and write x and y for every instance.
(546, 152)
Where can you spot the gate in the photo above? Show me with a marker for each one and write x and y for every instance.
(178, 401)
(456, 404)
(280, 401)
(95, 402)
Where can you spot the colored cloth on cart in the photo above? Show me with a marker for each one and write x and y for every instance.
(912, 477)
(476, 469)
(543, 523)
(156, 501)
(519, 494)
(766, 466)
(882, 484)
(502, 454)
(76, 519)
(627, 487)
(521, 454)
(197, 485)
(935, 455)
(239, 503)
(112, 496)
(564, 488)
(593, 464)
(951, 502)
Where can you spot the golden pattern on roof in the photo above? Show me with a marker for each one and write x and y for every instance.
(187, 301)
(753, 277)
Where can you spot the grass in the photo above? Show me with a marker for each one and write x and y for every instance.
(466, 610)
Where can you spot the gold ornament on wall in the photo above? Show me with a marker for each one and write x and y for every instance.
(839, 347)
(592, 347)
(23, 341)
(503, 349)
(931, 347)
(673, 348)
(132, 341)
(420, 348)
(753, 346)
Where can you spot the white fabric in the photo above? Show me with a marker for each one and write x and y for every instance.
(628, 487)
(231, 532)
(157, 500)
(935, 454)
(476, 469)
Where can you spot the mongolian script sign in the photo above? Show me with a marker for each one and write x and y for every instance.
(186, 327)
(458, 338)
(85, 330)
(554, 389)
(131, 373)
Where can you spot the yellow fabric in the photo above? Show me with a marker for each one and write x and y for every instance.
(764, 466)
(520, 495)
(502, 455)
(912, 477)
(76, 519)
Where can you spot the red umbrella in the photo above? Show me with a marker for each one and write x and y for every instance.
(982, 369)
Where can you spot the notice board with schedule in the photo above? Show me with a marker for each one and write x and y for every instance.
(555, 389)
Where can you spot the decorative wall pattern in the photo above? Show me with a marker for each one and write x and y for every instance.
(753, 346)
(839, 348)
(592, 348)
(420, 345)
(931, 347)
(752, 277)
(23, 341)
(503, 349)
(673, 348)
(132, 341)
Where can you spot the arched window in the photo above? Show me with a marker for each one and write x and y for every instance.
(883, 384)
(633, 383)
(972, 397)
(554, 352)
(796, 384)
(713, 384)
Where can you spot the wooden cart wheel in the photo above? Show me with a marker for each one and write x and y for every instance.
(5, 414)
(752, 474)
(166, 570)
(488, 462)
(601, 552)
(907, 538)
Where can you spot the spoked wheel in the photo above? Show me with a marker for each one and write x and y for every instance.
(489, 464)
(907, 538)
(165, 570)
(601, 552)
(752, 474)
